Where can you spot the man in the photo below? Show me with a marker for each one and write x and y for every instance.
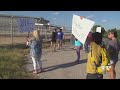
(53, 40)
(60, 35)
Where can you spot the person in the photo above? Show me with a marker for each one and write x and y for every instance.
(60, 36)
(114, 48)
(98, 58)
(35, 44)
(53, 40)
(87, 42)
(72, 40)
(78, 47)
(27, 40)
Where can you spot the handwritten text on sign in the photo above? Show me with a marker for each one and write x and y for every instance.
(26, 24)
(81, 28)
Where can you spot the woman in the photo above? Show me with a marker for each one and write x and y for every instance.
(113, 47)
(78, 46)
(36, 51)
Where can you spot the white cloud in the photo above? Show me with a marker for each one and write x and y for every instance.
(90, 17)
(56, 13)
(104, 20)
(54, 18)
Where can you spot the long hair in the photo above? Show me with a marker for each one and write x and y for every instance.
(36, 34)
(97, 38)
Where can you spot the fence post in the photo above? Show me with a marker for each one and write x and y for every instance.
(12, 29)
(46, 34)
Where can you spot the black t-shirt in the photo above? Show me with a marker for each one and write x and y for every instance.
(54, 36)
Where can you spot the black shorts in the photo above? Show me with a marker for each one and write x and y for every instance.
(53, 40)
(94, 76)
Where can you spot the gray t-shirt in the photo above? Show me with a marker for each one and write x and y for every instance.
(114, 47)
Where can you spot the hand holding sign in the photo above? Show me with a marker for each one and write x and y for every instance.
(81, 27)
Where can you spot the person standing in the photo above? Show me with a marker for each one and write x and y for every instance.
(78, 46)
(114, 48)
(60, 35)
(87, 43)
(53, 40)
(35, 44)
(98, 58)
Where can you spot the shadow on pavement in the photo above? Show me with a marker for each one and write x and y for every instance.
(51, 68)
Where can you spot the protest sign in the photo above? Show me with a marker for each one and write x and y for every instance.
(81, 27)
(26, 24)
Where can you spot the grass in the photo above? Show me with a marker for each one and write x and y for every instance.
(12, 61)
(11, 64)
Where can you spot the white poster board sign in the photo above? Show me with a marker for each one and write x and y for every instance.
(26, 24)
(98, 29)
(81, 27)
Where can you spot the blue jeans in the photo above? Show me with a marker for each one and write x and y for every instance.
(72, 41)
(86, 47)
(78, 52)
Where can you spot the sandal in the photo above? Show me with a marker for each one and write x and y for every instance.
(35, 72)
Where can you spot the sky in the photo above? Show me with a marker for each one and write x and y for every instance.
(107, 19)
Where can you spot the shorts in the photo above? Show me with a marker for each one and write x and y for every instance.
(53, 40)
(59, 41)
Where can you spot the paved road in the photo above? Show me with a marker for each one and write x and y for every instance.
(62, 65)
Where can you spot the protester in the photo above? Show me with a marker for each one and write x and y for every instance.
(35, 44)
(78, 47)
(98, 58)
(60, 36)
(87, 43)
(114, 48)
(53, 40)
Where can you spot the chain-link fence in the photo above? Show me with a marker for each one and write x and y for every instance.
(10, 34)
